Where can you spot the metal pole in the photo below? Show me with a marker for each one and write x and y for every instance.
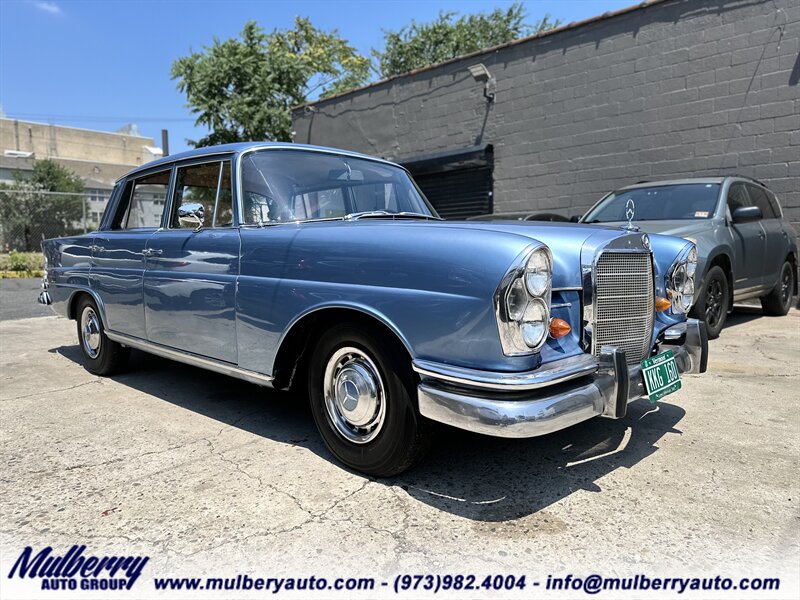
(83, 205)
(165, 142)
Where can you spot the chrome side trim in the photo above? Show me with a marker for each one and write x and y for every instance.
(546, 375)
(190, 359)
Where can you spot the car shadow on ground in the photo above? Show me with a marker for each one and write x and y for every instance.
(477, 477)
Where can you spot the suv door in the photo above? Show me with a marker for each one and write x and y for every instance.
(775, 252)
(118, 251)
(749, 243)
(190, 277)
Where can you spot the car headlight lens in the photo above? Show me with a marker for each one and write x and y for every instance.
(681, 283)
(522, 303)
(534, 323)
(537, 273)
(516, 301)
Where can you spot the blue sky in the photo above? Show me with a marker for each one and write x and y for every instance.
(102, 64)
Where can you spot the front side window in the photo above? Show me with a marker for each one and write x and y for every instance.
(207, 184)
(687, 201)
(144, 199)
(738, 198)
(281, 186)
(761, 200)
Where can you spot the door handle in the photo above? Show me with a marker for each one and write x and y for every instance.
(149, 252)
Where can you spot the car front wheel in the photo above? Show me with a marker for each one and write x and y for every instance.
(361, 389)
(778, 302)
(712, 305)
(101, 356)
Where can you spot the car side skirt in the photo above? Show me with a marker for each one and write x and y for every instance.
(191, 359)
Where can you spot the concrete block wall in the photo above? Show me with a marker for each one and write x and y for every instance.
(676, 88)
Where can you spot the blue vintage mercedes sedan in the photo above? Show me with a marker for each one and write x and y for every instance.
(328, 271)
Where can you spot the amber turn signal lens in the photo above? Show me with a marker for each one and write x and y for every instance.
(662, 304)
(559, 328)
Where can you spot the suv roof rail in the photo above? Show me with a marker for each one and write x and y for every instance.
(643, 181)
(761, 183)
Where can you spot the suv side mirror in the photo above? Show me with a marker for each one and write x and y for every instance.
(745, 214)
(575, 219)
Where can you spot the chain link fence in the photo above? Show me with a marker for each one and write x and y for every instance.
(28, 216)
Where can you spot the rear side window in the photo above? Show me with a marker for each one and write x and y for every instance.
(761, 200)
(773, 201)
(208, 184)
(142, 202)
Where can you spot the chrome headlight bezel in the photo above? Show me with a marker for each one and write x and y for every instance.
(516, 305)
(680, 280)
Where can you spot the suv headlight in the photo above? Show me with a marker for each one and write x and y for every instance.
(680, 280)
(522, 302)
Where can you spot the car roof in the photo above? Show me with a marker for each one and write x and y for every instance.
(239, 147)
(689, 180)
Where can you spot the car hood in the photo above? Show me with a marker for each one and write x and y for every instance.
(679, 228)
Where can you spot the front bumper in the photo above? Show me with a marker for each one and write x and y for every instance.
(555, 396)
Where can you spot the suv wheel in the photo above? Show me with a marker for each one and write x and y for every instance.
(778, 302)
(712, 305)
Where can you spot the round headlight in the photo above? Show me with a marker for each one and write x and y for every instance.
(516, 301)
(534, 323)
(680, 278)
(537, 273)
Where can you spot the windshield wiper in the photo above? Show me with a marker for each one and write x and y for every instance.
(385, 214)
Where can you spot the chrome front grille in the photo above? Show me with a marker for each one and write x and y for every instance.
(624, 304)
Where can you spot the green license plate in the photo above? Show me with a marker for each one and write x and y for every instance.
(661, 376)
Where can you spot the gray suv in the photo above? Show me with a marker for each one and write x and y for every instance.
(746, 248)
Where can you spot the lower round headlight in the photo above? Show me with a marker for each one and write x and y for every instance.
(534, 324)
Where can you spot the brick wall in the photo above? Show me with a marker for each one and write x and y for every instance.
(675, 89)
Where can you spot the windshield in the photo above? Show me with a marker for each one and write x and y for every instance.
(658, 203)
(280, 186)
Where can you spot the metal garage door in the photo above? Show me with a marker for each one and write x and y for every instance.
(459, 193)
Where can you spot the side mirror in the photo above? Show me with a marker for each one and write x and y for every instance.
(575, 219)
(745, 214)
(192, 215)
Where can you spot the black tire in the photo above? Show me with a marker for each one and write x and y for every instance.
(712, 305)
(101, 356)
(401, 436)
(778, 302)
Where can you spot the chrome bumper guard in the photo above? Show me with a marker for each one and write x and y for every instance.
(555, 396)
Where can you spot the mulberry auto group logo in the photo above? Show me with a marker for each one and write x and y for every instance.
(75, 570)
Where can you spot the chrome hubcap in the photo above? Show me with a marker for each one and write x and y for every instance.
(354, 395)
(90, 328)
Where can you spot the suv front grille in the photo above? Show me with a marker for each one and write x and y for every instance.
(624, 304)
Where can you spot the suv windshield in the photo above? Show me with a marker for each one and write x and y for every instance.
(658, 203)
(280, 186)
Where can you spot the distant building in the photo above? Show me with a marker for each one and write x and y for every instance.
(662, 90)
(98, 157)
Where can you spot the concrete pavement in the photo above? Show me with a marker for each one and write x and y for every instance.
(207, 474)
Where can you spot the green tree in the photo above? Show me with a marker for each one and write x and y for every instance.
(27, 214)
(422, 44)
(243, 88)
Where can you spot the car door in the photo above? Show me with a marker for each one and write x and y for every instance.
(775, 236)
(749, 243)
(191, 273)
(118, 260)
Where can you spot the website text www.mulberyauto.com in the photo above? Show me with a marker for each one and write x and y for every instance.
(592, 584)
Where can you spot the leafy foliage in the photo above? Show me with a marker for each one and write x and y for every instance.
(26, 213)
(243, 88)
(422, 44)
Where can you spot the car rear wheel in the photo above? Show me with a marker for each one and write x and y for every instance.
(712, 305)
(361, 390)
(101, 356)
(778, 302)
